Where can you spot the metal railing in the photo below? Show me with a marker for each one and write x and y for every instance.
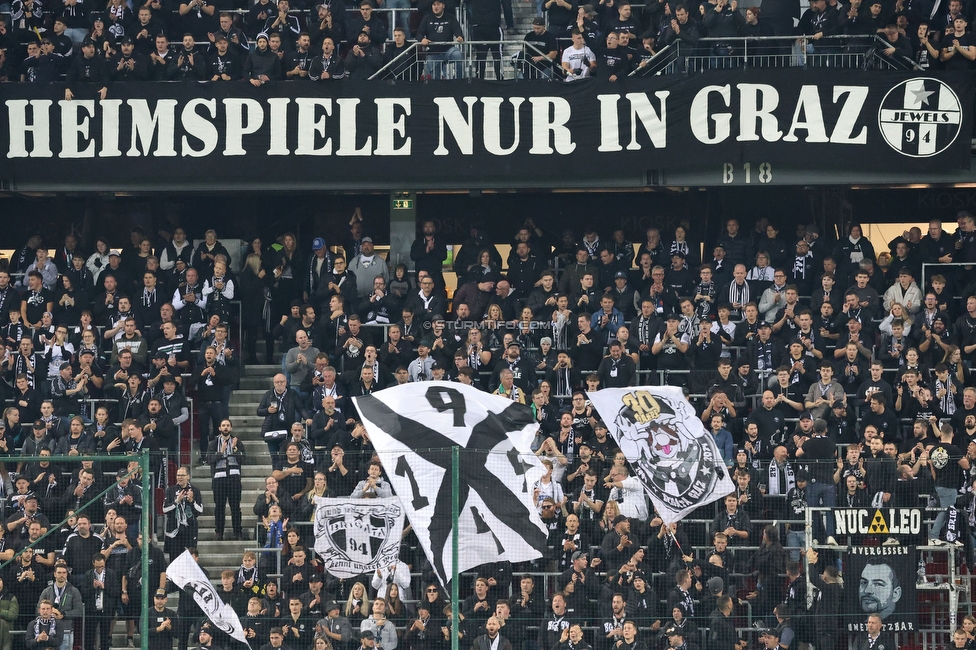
(468, 60)
(850, 52)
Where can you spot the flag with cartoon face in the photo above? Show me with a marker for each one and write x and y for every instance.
(667, 447)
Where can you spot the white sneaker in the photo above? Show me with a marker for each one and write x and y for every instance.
(957, 544)
(936, 542)
(831, 541)
(891, 541)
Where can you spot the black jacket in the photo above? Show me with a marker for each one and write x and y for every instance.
(721, 632)
(110, 594)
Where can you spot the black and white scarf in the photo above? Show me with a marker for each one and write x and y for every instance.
(50, 624)
(775, 478)
(738, 293)
(947, 403)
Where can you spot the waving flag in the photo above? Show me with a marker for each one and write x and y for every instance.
(414, 426)
(667, 446)
(188, 576)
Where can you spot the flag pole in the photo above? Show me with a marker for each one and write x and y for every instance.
(148, 503)
(667, 527)
(455, 512)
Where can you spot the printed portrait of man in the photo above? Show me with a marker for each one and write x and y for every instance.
(879, 590)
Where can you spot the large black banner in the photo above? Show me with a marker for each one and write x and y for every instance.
(881, 580)
(483, 134)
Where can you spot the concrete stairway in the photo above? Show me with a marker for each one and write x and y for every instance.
(216, 556)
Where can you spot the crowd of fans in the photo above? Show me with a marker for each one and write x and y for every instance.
(830, 375)
(197, 40)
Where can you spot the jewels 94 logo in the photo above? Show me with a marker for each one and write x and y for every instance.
(920, 117)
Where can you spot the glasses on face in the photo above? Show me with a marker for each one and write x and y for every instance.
(547, 507)
(431, 591)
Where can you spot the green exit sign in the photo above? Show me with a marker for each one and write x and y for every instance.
(403, 204)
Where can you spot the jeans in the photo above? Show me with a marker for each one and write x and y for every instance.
(821, 494)
(76, 34)
(795, 540)
(947, 498)
(435, 64)
(402, 17)
(69, 636)
(801, 49)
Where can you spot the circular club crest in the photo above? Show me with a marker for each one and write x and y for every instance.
(920, 117)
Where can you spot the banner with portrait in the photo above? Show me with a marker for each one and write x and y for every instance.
(881, 580)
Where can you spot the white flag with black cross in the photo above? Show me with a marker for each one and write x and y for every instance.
(414, 427)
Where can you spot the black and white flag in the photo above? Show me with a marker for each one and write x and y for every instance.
(414, 426)
(357, 536)
(667, 446)
(188, 576)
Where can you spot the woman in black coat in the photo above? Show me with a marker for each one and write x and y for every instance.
(255, 297)
(287, 269)
(769, 564)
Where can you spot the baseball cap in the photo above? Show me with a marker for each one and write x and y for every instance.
(600, 424)
(514, 342)
(618, 519)
(367, 634)
(578, 554)
(539, 21)
(115, 252)
(160, 593)
(715, 585)
(318, 244)
(619, 274)
(332, 605)
(367, 238)
(806, 416)
(763, 324)
(39, 424)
